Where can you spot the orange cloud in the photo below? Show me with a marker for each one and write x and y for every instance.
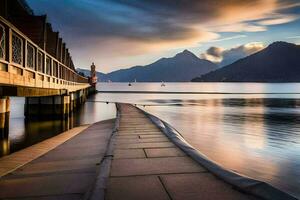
(278, 19)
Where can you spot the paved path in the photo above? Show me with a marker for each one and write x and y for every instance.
(146, 165)
(67, 172)
(18, 159)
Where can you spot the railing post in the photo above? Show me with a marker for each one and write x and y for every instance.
(9, 56)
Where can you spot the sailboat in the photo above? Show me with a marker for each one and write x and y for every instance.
(162, 84)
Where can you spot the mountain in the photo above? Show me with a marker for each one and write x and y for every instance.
(86, 72)
(182, 67)
(279, 62)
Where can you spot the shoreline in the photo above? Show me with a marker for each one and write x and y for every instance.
(170, 92)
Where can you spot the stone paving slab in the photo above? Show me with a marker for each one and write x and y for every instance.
(145, 145)
(129, 153)
(136, 188)
(127, 137)
(89, 164)
(54, 197)
(139, 133)
(152, 136)
(141, 140)
(204, 185)
(146, 166)
(164, 152)
(46, 185)
(67, 172)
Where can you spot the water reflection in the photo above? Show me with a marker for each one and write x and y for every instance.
(4, 143)
(24, 132)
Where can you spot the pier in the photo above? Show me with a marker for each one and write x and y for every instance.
(124, 158)
(36, 63)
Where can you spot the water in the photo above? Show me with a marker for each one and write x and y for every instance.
(250, 128)
(24, 132)
(256, 134)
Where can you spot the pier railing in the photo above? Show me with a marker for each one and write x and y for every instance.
(24, 63)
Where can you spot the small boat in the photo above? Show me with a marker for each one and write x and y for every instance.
(129, 84)
(162, 84)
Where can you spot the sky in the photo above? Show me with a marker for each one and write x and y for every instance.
(118, 34)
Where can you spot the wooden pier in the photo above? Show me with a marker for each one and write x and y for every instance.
(142, 163)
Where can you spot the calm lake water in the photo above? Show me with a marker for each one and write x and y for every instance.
(24, 132)
(253, 129)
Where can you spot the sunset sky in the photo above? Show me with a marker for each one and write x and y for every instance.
(118, 34)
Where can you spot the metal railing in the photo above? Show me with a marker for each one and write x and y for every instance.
(22, 62)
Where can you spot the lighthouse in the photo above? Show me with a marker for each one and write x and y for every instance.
(93, 79)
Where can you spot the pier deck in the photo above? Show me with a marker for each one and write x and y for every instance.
(146, 165)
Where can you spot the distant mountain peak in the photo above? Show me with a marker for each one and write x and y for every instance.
(280, 44)
(186, 54)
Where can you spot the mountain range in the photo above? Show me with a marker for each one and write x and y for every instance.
(181, 68)
(279, 62)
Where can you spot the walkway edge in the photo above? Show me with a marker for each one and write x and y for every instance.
(16, 160)
(98, 190)
(240, 182)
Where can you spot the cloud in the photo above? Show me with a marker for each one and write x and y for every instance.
(239, 27)
(278, 19)
(224, 57)
(122, 27)
(294, 37)
(228, 38)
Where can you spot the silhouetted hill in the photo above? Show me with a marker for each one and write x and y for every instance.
(279, 62)
(181, 67)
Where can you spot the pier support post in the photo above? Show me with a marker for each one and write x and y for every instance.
(47, 107)
(4, 125)
(66, 104)
(54, 106)
(4, 114)
(72, 102)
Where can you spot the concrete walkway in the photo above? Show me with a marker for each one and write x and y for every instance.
(67, 172)
(146, 165)
(16, 160)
